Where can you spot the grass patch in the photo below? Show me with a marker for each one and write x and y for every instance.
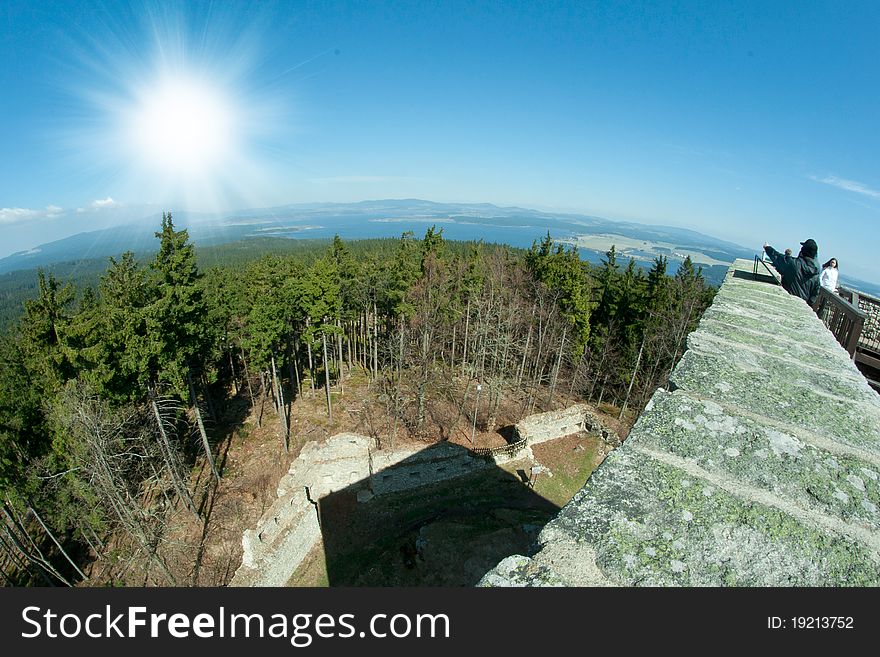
(571, 460)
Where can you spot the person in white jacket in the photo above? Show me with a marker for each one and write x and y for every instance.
(828, 277)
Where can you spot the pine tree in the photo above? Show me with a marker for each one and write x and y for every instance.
(43, 334)
(178, 339)
(318, 304)
(23, 435)
(176, 318)
(562, 271)
(113, 356)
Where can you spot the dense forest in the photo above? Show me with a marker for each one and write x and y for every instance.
(109, 396)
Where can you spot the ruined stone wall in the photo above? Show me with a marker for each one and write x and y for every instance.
(760, 466)
(541, 427)
(289, 529)
(440, 462)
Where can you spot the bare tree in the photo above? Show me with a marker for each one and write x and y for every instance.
(116, 458)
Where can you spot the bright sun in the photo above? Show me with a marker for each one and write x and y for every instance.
(191, 122)
(182, 126)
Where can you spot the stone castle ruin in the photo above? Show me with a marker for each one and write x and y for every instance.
(291, 527)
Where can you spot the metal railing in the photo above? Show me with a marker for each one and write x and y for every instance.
(509, 450)
(843, 319)
(767, 267)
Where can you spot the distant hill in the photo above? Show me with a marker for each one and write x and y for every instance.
(17, 286)
(860, 285)
(241, 236)
(389, 218)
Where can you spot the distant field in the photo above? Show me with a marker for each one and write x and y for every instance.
(643, 249)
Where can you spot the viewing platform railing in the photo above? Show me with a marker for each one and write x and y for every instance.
(842, 318)
(870, 338)
(868, 348)
(509, 450)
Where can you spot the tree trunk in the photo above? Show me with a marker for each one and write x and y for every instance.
(602, 391)
(327, 378)
(232, 372)
(375, 342)
(195, 403)
(247, 376)
(311, 368)
(423, 379)
(296, 370)
(452, 357)
(464, 344)
(556, 371)
(171, 462)
(339, 357)
(57, 544)
(19, 558)
(350, 336)
(282, 412)
(19, 536)
(632, 380)
(522, 365)
(206, 391)
(577, 370)
(89, 541)
(291, 372)
(362, 344)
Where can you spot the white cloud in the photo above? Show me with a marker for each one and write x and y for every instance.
(18, 215)
(848, 185)
(100, 204)
(14, 215)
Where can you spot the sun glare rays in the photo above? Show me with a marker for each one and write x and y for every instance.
(172, 115)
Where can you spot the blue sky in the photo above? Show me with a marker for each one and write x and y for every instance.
(747, 121)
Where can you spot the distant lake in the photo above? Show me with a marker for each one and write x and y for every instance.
(521, 236)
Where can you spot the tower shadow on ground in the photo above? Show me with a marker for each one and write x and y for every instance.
(434, 533)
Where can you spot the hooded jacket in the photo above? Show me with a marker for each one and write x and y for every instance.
(800, 276)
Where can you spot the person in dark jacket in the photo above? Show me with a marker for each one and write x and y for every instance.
(800, 276)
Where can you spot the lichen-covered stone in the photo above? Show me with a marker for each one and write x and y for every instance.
(782, 462)
(518, 570)
(652, 524)
(826, 406)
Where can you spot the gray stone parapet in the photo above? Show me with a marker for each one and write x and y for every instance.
(760, 466)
